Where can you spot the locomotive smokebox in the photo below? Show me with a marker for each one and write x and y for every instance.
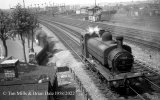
(119, 41)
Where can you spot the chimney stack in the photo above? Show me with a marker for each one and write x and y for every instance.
(119, 41)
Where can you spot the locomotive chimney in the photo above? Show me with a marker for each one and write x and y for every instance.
(119, 41)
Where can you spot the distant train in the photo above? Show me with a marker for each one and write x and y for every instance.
(112, 58)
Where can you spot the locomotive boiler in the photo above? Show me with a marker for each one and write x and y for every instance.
(115, 59)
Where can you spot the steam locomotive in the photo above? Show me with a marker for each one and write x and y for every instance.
(111, 58)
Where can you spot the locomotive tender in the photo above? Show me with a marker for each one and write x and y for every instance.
(111, 58)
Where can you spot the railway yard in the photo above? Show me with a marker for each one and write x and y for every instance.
(83, 50)
(91, 81)
(132, 36)
(75, 76)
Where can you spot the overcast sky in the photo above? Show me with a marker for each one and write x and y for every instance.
(5, 4)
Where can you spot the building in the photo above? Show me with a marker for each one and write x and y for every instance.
(84, 10)
(94, 13)
(78, 11)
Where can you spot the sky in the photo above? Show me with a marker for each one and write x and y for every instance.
(5, 4)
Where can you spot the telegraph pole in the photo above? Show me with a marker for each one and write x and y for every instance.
(95, 2)
(23, 4)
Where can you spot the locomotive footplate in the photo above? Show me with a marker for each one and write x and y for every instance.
(125, 76)
(121, 80)
(118, 79)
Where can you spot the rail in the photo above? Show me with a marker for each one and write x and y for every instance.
(86, 94)
(79, 82)
(152, 83)
(127, 32)
(137, 93)
(148, 67)
(68, 29)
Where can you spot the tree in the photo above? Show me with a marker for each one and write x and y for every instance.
(33, 25)
(21, 19)
(5, 29)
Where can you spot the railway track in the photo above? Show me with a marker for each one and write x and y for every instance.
(77, 35)
(129, 39)
(149, 39)
(95, 76)
(68, 43)
(77, 54)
